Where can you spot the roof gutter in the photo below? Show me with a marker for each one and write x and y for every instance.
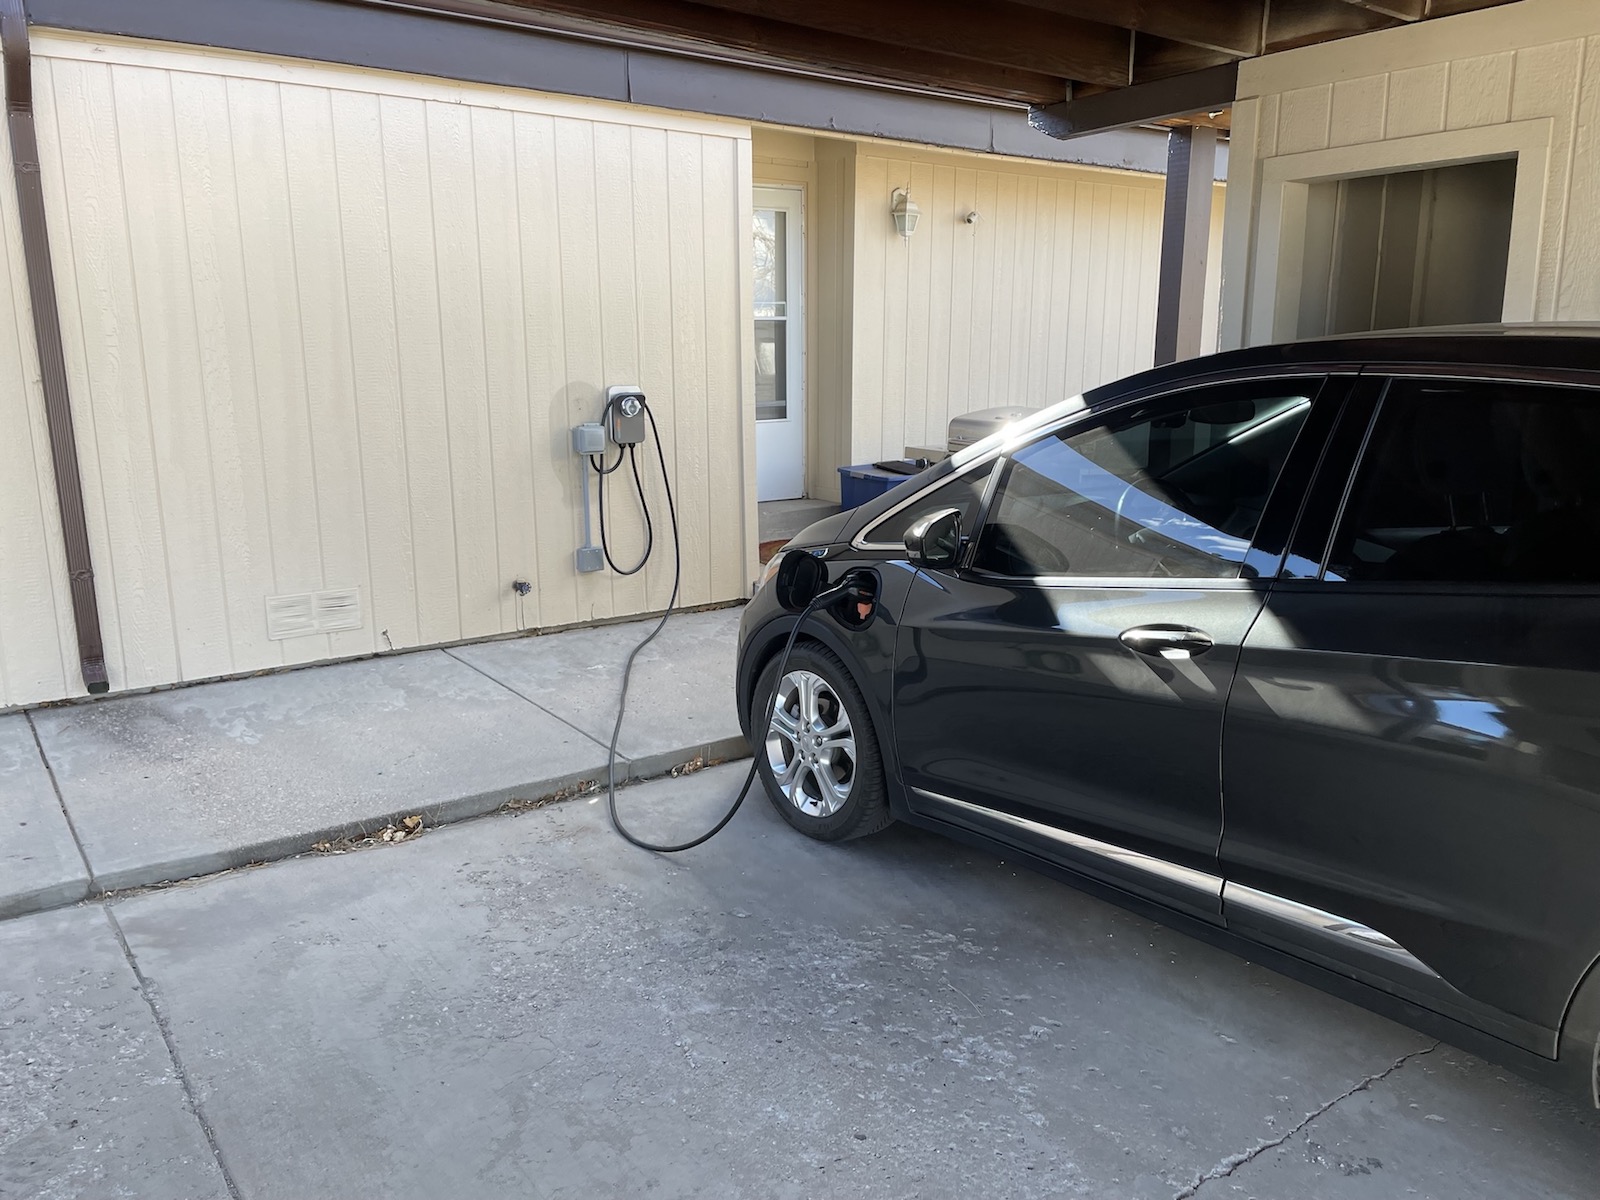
(18, 67)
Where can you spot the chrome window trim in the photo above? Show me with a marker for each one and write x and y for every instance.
(1323, 926)
(1569, 377)
(1181, 583)
(1201, 882)
(1255, 375)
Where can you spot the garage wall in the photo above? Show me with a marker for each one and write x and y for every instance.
(1050, 292)
(1522, 80)
(326, 329)
(37, 648)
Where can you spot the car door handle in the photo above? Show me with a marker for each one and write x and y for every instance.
(1166, 641)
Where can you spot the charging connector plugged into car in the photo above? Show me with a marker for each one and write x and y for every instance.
(802, 586)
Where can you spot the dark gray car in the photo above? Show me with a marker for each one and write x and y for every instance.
(1300, 643)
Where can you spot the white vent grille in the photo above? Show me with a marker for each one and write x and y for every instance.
(305, 613)
(337, 610)
(289, 616)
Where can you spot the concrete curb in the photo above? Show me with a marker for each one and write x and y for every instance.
(35, 900)
(439, 813)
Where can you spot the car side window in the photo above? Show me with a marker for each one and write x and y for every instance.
(1476, 482)
(964, 492)
(1171, 489)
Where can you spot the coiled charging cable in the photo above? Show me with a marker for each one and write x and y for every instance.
(818, 601)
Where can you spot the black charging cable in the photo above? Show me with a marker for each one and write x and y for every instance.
(630, 452)
(821, 600)
(755, 750)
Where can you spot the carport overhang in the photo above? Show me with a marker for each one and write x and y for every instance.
(1070, 70)
(1081, 81)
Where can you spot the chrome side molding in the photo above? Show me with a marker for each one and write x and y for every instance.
(1131, 862)
(1320, 926)
(1340, 935)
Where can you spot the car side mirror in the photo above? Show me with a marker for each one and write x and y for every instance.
(934, 541)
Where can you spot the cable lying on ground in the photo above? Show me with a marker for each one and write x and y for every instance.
(821, 600)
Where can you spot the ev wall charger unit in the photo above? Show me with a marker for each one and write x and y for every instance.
(625, 415)
(625, 422)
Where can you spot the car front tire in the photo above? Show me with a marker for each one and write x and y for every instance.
(816, 749)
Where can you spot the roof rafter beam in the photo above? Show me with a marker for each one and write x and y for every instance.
(675, 25)
(1201, 91)
(999, 33)
(1400, 10)
(1292, 23)
(1231, 27)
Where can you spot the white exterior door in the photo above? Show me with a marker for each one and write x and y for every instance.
(780, 344)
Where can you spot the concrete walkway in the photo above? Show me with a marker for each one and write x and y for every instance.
(136, 790)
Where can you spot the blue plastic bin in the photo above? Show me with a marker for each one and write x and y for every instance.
(859, 484)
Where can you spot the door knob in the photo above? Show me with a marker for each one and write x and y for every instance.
(1166, 641)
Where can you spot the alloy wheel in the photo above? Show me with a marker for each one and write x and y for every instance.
(811, 747)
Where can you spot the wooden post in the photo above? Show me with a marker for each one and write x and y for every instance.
(1185, 239)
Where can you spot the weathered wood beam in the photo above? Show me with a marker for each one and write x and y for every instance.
(671, 24)
(1223, 121)
(1203, 91)
(1232, 27)
(1400, 10)
(1158, 58)
(998, 33)
(1449, 8)
(1292, 23)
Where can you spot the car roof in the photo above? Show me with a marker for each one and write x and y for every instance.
(1556, 349)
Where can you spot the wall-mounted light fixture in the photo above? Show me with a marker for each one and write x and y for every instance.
(905, 212)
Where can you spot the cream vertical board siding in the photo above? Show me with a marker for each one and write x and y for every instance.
(902, 336)
(1050, 292)
(329, 328)
(1519, 79)
(38, 650)
(831, 236)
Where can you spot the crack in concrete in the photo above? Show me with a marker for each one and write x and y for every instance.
(1233, 1162)
(165, 1029)
(55, 786)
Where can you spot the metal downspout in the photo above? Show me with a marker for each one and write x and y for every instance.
(18, 65)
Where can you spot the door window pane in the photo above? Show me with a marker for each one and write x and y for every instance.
(771, 314)
(1175, 493)
(772, 371)
(771, 253)
(1474, 483)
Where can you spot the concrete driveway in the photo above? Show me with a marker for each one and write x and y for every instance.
(526, 1007)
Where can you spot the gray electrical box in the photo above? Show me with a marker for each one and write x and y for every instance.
(589, 438)
(626, 421)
